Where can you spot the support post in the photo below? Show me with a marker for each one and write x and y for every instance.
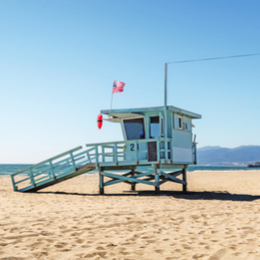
(157, 181)
(184, 178)
(133, 183)
(101, 183)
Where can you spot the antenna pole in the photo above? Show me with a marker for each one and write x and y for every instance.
(165, 111)
(165, 84)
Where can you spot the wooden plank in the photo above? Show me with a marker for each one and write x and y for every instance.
(115, 180)
(127, 178)
(88, 165)
(26, 179)
(164, 181)
(117, 168)
(172, 178)
(174, 174)
(42, 178)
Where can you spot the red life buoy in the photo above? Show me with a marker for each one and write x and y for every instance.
(99, 121)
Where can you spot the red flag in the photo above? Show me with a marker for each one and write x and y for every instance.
(118, 86)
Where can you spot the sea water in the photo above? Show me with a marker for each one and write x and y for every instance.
(7, 169)
(219, 168)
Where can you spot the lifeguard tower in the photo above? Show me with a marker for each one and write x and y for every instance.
(158, 146)
(164, 147)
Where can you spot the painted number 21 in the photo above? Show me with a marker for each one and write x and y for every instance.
(132, 147)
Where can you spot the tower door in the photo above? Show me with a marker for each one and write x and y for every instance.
(156, 127)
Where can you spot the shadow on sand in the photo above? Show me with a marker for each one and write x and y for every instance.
(206, 195)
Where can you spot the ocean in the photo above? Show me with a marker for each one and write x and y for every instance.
(7, 169)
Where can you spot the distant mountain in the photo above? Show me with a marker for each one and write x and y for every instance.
(208, 148)
(219, 156)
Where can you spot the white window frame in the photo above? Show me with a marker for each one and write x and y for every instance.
(136, 117)
(180, 119)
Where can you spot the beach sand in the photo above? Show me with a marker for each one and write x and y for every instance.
(219, 218)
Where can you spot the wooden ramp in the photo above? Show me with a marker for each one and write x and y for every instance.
(54, 170)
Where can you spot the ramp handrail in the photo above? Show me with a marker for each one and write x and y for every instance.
(52, 169)
(46, 161)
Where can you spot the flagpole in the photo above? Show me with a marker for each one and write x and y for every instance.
(111, 101)
(118, 86)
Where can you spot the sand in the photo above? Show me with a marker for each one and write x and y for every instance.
(219, 218)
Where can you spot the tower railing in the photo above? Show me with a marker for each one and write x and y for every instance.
(118, 153)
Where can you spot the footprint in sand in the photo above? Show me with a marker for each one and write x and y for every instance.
(200, 256)
(159, 251)
(80, 241)
(100, 248)
(217, 255)
(60, 244)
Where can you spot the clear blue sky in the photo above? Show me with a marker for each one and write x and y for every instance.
(58, 60)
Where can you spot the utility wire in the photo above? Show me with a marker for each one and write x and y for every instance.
(216, 58)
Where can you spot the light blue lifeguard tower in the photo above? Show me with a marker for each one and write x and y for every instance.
(165, 149)
(149, 142)
(158, 146)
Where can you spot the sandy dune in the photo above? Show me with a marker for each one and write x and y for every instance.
(219, 218)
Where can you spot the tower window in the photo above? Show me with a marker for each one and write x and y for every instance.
(134, 128)
(180, 122)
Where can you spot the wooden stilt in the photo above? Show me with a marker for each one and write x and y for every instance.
(133, 183)
(101, 183)
(184, 178)
(154, 177)
(157, 181)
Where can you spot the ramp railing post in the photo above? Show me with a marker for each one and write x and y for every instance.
(13, 181)
(73, 160)
(32, 178)
(52, 170)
